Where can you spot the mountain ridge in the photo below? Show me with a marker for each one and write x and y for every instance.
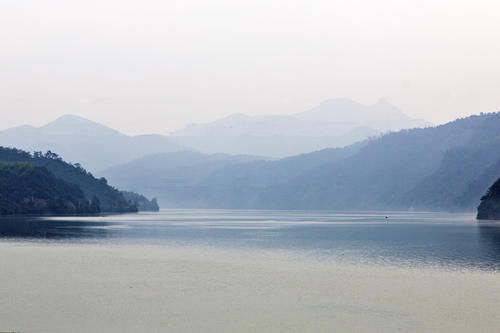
(91, 144)
(331, 124)
(99, 147)
(446, 167)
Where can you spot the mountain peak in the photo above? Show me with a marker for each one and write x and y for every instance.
(332, 109)
(81, 140)
(69, 122)
(71, 119)
(340, 102)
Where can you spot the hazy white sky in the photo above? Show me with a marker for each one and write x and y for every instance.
(155, 65)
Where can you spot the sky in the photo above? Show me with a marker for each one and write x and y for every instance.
(152, 66)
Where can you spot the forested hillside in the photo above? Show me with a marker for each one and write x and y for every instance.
(109, 198)
(26, 189)
(489, 209)
(143, 204)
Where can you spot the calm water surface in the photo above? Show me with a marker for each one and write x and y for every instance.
(410, 239)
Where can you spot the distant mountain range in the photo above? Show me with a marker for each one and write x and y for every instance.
(80, 140)
(189, 178)
(170, 170)
(333, 123)
(448, 167)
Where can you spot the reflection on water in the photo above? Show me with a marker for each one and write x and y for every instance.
(408, 238)
(489, 242)
(44, 228)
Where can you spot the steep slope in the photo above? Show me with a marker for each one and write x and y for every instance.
(489, 209)
(80, 140)
(458, 183)
(111, 200)
(421, 168)
(402, 170)
(25, 189)
(470, 198)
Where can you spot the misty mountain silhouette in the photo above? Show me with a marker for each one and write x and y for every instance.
(177, 170)
(93, 145)
(448, 167)
(333, 123)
